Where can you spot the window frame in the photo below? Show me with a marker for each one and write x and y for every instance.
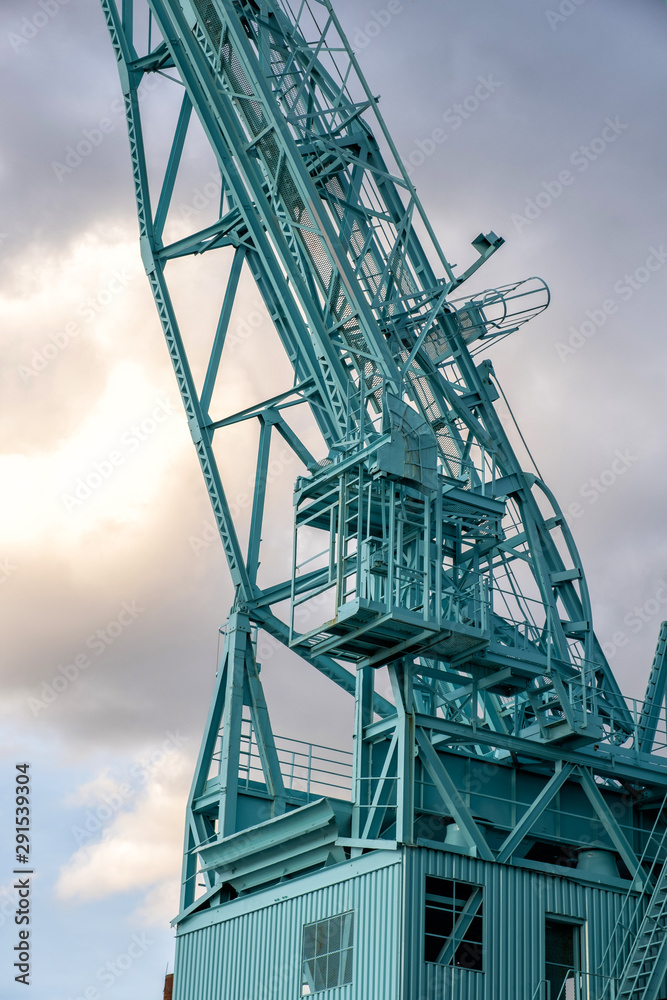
(341, 951)
(456, 915)
(580, 970)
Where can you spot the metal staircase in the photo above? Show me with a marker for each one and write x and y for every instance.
(642, 973)
(645, 969)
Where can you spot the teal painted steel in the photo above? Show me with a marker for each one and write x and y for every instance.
(441, 557)
(516, 903)
(252, 947)
(215, 959)
(652, 708)
(644, 972)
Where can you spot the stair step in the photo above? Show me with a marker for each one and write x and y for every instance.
(647, 956)
(543, 688)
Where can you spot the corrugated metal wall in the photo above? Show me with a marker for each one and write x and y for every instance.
(515, 904)
(251, 949)
(256, 955)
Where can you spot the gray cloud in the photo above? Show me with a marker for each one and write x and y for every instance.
(556, 88)
(554, 91)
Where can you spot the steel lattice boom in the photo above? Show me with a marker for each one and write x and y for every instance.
(420, 542)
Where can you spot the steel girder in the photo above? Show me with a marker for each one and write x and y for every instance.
(318, 207)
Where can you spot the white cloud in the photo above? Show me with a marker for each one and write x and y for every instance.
(96, 790)
(159, 904)
(140, 849)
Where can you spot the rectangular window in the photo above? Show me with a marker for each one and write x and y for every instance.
(454, 924)
(327, 953)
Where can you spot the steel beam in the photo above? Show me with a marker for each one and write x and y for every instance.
(452, 797)
(533, 813)
(614, 831)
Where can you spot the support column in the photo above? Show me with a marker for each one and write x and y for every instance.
(238, 637)
(363, 716)
(400, 673)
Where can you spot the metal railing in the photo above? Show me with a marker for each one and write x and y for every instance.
(578, 985)
(305, 767)
(636, 709)
(633, 908)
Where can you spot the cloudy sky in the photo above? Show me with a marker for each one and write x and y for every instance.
(121, 591)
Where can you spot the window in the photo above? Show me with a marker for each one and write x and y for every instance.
(454, 924)
(327, 953)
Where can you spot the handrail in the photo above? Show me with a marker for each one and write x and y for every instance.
(307, 767)
(584, 978)
(617, 967)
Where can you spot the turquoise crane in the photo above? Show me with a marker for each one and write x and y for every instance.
(420, 542)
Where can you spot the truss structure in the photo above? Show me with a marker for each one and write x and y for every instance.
(421, 545)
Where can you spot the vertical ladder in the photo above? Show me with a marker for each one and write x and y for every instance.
(646, 966)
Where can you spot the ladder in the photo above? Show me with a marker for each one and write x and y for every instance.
(646, 966)
(639, 975)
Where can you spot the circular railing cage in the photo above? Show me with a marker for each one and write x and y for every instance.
(497, 312)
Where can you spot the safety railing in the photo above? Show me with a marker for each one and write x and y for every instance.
(577, 985)
(633, 908)
(305, 767)
(480, 792)
(505, 309)
(658, 719)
